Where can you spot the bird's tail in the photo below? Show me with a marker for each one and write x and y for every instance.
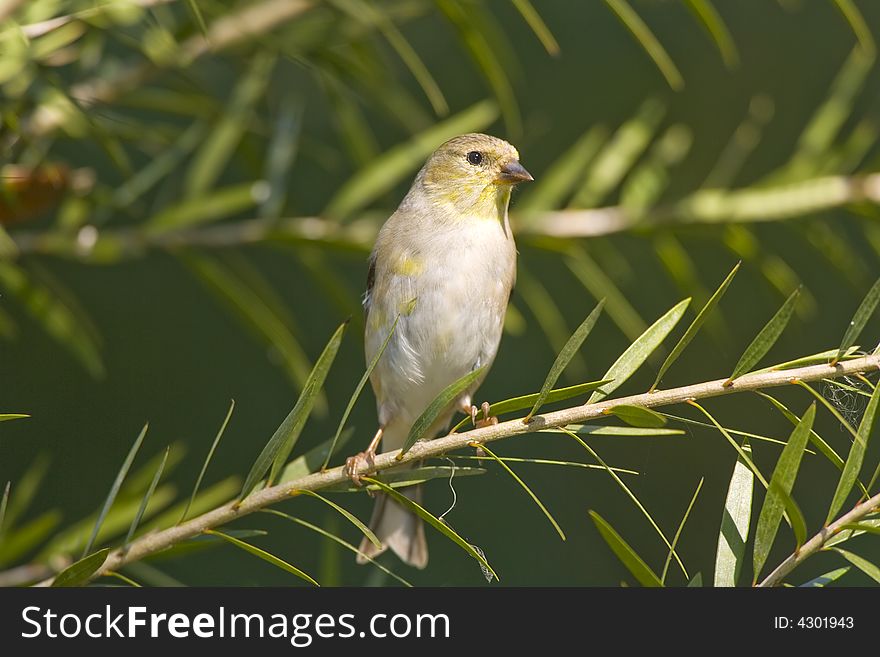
(395, 527)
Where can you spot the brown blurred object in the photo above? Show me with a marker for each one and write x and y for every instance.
(27, 192)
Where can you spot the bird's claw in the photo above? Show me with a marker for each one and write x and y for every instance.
(353, 464)
(487, 421)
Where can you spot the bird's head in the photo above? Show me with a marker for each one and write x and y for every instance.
(474, 173)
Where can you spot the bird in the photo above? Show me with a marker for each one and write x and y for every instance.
(440, 277)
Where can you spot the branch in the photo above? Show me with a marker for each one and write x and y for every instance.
(704, 206)
(153, 543)
(818, 541)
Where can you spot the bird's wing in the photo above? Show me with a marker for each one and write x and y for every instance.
(371, 281)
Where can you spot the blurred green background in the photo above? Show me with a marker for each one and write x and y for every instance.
(173, 352)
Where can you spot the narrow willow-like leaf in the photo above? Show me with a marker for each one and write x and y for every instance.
(26, 488)
(812, 359)
(859, 25)
(853, 464)
(573, 464)
(207, 460)
(333, 537)
(857, 323)
(265, 556)
(709, 17)
(696, 581)
(276, 451)
(638, 352)
(643, 35)
(219, 146)
(747, 459)
(815, 438)
(735, 523)
(851, 530)
(695, 326)
(678, 531)
(528, 490)
(4, 502)
(638, 416)
(870, 569)
(123, 578)
(539, 27)
(211, 497)
(5, 417)
(197, 14)
(114, 489)
(392, 166)
(629, 557)
(568, 351)
(357, 392)
(439, 406)
(633, 497)
(203, 542)
(79, 573)
(478, 33)
(829, 406)
(827, 578)
(602, 430)
(437, 524)
(311, 461)
(766, 338)
(781, 483)
(353, 519)
(28, 536)
(146, 499)
(214, 205)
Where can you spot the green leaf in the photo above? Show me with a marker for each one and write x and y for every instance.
(357, 391)
(311, 461)
(26, 489)
(214, 205)
(439, 406)
(695, 326)
(632, 496)
(146, 499)
(528, 401)
(859, 25)
(4, 417)
(853, 464)
(861, 563)
(696, 581)
(218, 148)
(347, 514)
(79, 573)
(827, 578)
(648, 41)
(568, 351)
(633, 562)
(765, 339)
(384, 172)
(863, 314)
(333, 537)
(114, 489)
(207, 462)
(534, 20)
(638, 352)
(781, 484)
(678, 531)
(527, 490)
(27, 536)
(4, 502)
(574, 464)
(437, 524)
(815, 438)
(262, 554)
(638, 416)
(708, 16)
(208, 499)
(602, 430)
(739, 450)
(735, 523)
(276, 451)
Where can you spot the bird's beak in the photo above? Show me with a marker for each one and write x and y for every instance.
(513, 172)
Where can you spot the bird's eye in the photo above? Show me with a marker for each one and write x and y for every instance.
(475, 158)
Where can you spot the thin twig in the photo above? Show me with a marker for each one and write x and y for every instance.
(260, 499)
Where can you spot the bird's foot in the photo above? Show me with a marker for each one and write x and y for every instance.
(487, 420)
(353, 465)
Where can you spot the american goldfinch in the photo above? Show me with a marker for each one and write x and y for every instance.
(445, 264)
